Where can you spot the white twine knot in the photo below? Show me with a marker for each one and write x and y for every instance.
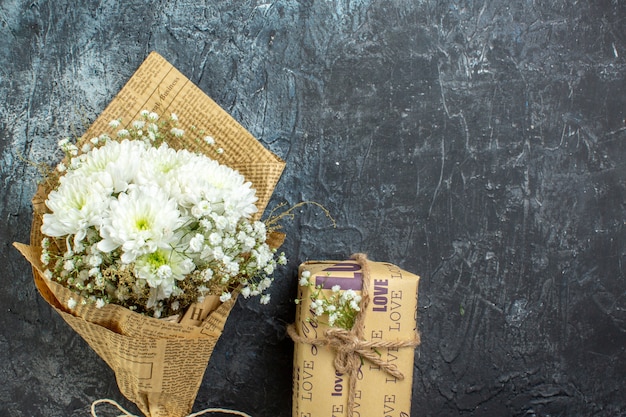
(127, 413)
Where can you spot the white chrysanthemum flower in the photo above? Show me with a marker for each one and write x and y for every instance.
(220, 185)
(75, 207)
(336, 288)
(225, 297)
(113, 165)
(265, 299)
(71, 303)
(161, 269)
(163, 170)
(140, 222)
(100, 303)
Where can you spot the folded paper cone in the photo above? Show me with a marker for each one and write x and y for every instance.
(159, 364)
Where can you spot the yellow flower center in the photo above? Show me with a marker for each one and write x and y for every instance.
(157, 259)
(142, 224)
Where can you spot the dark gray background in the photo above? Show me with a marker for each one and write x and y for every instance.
(479, 144)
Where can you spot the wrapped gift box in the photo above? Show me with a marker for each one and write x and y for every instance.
(388, 333)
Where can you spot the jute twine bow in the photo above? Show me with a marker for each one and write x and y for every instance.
(351, 347)
(128, 414)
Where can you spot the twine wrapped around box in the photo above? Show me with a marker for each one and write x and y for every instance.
(159, 364)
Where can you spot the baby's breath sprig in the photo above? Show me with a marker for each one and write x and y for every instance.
(339, 306)
(149, 127)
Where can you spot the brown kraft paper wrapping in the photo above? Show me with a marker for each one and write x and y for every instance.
(159, 364)
(390, 316)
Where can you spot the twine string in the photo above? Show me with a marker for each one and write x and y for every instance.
(127, 413)
(350, 346)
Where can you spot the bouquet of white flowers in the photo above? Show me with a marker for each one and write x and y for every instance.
(147, 232)
(152, 228)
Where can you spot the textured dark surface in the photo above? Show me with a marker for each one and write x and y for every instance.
(478, 144)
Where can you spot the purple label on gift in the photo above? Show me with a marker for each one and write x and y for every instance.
(349, 280)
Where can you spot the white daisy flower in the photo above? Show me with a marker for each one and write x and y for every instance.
(75, 207)
(160, 270)
(140, 222)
